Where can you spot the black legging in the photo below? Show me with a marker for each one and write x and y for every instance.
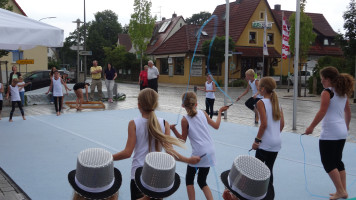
(331, 154)
(58, 103)
(268, 158)
(209, 105)
(202, 175)
(0, 105)
(13, 104)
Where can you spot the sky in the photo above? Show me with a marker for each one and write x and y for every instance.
(67, 11)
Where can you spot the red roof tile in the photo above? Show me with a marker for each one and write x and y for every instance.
(158, 38)
(325, 50)
(257, 52)
(320, 24)
(18, 6)
(125, 40)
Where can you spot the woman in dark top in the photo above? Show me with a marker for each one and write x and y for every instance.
(79, 93)
(142, 79)
(110, 76)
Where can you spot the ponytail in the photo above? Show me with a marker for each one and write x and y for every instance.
(276, 112)
(344, 84)
(148, 100)
(189, 100)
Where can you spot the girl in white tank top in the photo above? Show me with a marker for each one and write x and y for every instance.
(195, 127)
(209, 90)
(140, 141)
(268, 140)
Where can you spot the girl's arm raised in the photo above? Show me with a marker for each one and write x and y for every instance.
(184, 134)
(130, 144)
(216, 124)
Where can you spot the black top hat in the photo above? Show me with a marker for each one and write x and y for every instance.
(157, 177)
(247, 179)
(95, 176)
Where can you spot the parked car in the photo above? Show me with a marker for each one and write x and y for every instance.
(304, 75)
(39, 79)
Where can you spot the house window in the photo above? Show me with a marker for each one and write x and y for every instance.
(164, 66)
(17, 55)
(262, 15)
(252, 38)
(326, 42)
(179, 66)
(270, 39)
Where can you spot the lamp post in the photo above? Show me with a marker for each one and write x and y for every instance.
(46, 18)
(78, 34)
(227, 18)
(84, 45)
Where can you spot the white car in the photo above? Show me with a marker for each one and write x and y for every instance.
(305, 75)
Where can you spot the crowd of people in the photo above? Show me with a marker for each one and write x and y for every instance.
(149, 133)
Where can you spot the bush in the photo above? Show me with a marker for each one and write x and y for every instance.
(238, 83)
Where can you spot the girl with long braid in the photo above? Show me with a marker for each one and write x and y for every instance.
(148, 133)
(335, 114)
(195, 126)
(268, 140)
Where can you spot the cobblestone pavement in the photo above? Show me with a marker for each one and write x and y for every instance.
(170, 101)
(9, 190)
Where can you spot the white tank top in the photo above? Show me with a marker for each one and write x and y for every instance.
(200, 139)
(209, 86)
(57, 87)
(333, 126)
(1, 98)
(15, 93)
(271, 139)
(254, 89)
(23, 88)
(141, 146)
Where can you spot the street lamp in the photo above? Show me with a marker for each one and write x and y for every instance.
(46, 18)
(78, 22)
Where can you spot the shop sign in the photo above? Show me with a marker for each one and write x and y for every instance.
(260, 24)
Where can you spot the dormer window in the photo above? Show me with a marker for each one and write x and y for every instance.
(326, 42)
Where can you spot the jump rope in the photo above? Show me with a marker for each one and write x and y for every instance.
(232, 103)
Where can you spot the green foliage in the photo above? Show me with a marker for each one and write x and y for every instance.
(306, 34)
(141, 25)
(103, 32)
(238, 83)
(217, 55)
(53, 63)
(198, 18)
(339, 63)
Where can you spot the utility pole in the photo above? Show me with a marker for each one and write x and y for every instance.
(226, 52)
(85, 46)
(78, 37)
(296, 66)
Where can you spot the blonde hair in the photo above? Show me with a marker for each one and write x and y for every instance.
(189, 101)
(148, 101)
(15, 80)
(250, 72)
(77, 196)
(270, 84)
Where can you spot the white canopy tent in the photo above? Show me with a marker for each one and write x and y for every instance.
(18, 32)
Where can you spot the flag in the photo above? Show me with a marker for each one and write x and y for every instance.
(285, 38)
(265, 49)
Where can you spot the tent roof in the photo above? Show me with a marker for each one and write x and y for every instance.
(20, 32)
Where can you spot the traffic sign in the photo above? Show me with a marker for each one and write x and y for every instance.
(75, 48)
(85, 53)
(25, 62)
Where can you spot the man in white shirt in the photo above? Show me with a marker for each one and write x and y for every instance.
(152, 76)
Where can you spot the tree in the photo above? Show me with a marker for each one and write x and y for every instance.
(217, 54)
(348, 40)
(103, 32)
(306, 36)
(3, 4)
(198, 18)
(141, 26)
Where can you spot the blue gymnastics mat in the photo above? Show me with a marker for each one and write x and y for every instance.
(38, 153)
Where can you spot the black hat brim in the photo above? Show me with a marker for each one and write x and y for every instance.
(101, 195)
(153, 194)
(224, 176)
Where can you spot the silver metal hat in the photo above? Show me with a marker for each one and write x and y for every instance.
(249, 177)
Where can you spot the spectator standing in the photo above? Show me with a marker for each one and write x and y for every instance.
(110, 76)
(152, 76)
(142, 79)
(14, 74)
(95, 72)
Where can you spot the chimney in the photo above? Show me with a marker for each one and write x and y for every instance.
(174, 15)
(163, 18)
(277, 7)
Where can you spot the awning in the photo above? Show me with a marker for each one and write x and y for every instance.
(257, 52)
